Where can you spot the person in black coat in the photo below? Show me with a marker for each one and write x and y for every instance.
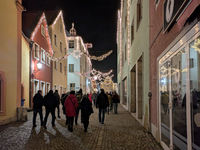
(50, 104)
(86, 110)
(63, 98)
(38, 101)
(58, 102)
(102, 103)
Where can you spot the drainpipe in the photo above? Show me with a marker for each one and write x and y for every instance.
(150, 95)
(30, 74)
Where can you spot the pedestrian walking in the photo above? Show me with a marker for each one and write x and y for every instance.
(58, 102)
(115, 98)
(94, 98)
(86, 111)
(50, 104)
(38, 102)
(90, 97)
(102, 103)
(79, 96)
(71, 104)
(109, 100)
(63, 98)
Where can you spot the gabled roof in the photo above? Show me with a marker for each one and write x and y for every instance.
(51, 15)
(29, 21)
(32, 22)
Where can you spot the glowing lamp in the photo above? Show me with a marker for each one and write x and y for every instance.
(39, 65)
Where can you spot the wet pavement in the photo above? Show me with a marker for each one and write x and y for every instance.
(120, 132)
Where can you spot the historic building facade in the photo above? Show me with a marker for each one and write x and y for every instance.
(133, 58)
(36, 29)
(10, 66)
(58, 36)
(78, 61)
(174, 73)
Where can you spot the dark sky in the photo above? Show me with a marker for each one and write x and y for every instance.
(95, 21)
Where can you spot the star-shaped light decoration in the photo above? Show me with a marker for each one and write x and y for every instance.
(77, 53)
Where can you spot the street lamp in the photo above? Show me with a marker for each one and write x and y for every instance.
(39, 65)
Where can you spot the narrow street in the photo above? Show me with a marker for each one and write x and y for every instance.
(120, 131)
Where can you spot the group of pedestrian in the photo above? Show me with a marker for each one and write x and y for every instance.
(72, 104)
(50, 101)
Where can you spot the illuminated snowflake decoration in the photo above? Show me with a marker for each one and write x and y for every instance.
(77, 53)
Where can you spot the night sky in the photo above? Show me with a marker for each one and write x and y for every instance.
(95, 21)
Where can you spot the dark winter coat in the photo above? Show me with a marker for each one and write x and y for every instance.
(102, 101)
(50, 101)
(115, 98)
(86, 107)
(57, 98)
(63, 98)
(79, 97)
(71, 104)
(38, 101)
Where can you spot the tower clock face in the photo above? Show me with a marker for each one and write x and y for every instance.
(169, 10)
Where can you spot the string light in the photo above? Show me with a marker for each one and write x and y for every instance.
(128, 30)
(43, 19)
(100, 58)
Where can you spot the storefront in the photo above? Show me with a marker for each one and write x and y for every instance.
(179, 93)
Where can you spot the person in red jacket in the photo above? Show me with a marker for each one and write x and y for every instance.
(71, 104)
(90, 97)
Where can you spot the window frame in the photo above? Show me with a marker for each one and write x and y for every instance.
(139, 13)
(70, 42)
(71, 69)
(55, 40)
(48, 61)
(60, 67)
(56, 65)
(38, 51)
(61, 47)
(42, 30)
(43, 55)
(65, 70)
(71, 89)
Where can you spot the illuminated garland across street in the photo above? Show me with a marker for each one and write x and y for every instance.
(77, 54)
(96, 75)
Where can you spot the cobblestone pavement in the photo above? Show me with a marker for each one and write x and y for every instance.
(120, 132)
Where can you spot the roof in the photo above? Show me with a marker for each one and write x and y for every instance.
(30, 21)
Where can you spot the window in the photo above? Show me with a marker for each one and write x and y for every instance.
(61, 47)
(65, 51)
(122, 33)
(2, 94)
(42, 55)
(132, 31)
(55, 64)
(47, 87)
(36, 51)
(65, 70)
(42, 87)
(61, 67)
(48, 61)
(125, 21)
(139, 12)
(72, 86)
(42, 30)
(125, 53)
(71, 44)
(71, 67)
(55, 40)
(191, 63)
(61, 28)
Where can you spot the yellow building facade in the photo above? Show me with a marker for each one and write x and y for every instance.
(10, 59)
(59, 45)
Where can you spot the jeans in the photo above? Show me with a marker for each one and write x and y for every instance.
(115, 105)
(52, 111)
(58, 108)
(35, 115)
(102, 111)
(77, 113)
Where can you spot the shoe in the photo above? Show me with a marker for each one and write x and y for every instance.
(34, 126)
